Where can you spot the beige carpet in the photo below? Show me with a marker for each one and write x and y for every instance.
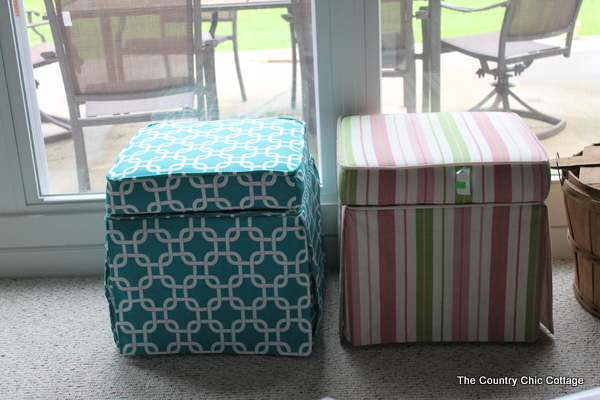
(56, 343)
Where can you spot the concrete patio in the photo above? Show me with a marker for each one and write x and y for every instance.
(565, 87)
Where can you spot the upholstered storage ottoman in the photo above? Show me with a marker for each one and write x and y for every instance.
(214, 241)
(444, 229)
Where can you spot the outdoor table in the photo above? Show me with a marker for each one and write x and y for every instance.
(432, 46)
(228, 5)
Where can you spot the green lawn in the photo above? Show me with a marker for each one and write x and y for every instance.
(457, 24)
(265, 29)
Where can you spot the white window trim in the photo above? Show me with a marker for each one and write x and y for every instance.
(64, 235)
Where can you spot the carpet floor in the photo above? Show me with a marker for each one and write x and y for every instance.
(56, 343)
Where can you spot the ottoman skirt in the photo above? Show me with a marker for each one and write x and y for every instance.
(423, 274)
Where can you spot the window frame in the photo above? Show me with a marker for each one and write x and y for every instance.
(64, 235)
(19, 103)
(37, 234)
(336, 97)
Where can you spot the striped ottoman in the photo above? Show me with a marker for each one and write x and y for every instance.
(214, 242)
(444, 229)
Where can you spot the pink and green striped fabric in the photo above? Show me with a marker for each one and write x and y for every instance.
(414, 159)
(445, 273)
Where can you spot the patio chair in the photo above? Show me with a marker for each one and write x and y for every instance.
(397, 45)
(42, 54)
(515, 46)
(300, 19)
(131, 61)
(294, 46)
(214, 17)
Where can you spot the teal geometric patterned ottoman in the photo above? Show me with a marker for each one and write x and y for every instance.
(214, 241)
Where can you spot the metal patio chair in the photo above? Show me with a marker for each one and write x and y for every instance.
(42, 54)
(215, 17)
(300, 19)
(397, 44)
(126, 61)
(398, 47)
(515, 46)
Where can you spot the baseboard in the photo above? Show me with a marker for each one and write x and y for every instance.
(57, 261)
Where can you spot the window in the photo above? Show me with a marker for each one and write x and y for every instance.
(559, 86)
(61, 229)
(114, 56)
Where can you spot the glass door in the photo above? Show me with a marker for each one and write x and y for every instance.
(256, 61)
(563, 87)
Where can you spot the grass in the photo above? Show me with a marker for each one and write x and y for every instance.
(265, 29)
(458, 24)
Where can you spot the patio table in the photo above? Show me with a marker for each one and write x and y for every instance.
(215, 6)
(431, 41)
(228, 5)
(432, 46)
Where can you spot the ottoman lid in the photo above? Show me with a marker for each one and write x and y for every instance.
(210, 166)
(431, 157)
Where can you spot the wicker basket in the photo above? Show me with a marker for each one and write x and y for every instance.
(582, 204)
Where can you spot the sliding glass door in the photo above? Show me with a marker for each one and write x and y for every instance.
(74, 55)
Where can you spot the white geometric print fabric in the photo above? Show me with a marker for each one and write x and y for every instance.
(247, 282)
(210, 166)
